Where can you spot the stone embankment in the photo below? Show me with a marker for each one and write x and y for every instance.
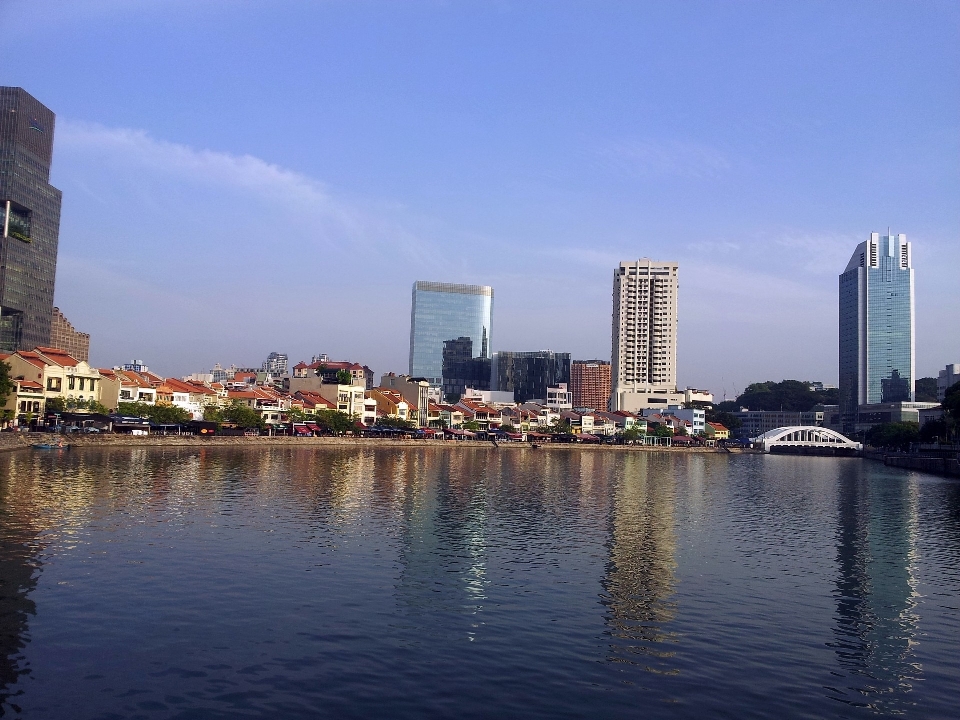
(15, 441)
(950, 467)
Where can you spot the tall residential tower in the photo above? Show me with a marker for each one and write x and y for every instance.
(443, 312)
(644, 354)
(29, 221)
(876, 326)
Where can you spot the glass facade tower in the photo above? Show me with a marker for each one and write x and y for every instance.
(876, 325)
(444, 312)
(528, 374)
(29, 221)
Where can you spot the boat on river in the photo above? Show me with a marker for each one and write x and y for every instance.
(50, 446)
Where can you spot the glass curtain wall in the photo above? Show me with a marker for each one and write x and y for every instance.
(445, 312)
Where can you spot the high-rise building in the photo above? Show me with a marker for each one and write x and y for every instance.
(64, 336)
(528, 374)
(644, 355)
(445, 311)
(590, 383)
(462, 369)
(275, 364)
(29, 221)
(876, 326)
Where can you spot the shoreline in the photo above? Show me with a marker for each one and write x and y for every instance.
(21, 441)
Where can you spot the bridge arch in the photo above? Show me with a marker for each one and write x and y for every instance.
(801, 438)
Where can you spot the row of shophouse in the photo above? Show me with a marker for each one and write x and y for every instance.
(45, 373)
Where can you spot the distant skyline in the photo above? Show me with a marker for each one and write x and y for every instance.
(245, 178)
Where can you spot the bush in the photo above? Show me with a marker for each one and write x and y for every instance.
(894, 435)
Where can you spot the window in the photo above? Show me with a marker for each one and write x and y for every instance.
(71, 382)
(54, 384)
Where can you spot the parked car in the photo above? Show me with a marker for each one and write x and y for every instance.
(91, 429)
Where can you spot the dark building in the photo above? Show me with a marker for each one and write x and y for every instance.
(462, 370)
(528, 374)
(29, 221)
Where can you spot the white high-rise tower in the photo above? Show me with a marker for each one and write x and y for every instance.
(644, 355)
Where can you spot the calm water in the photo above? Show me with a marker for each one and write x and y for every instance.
(445, 582)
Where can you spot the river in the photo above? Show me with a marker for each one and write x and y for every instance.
(472, 583)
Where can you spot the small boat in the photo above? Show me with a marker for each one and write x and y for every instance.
(534, 446)
(50, 446)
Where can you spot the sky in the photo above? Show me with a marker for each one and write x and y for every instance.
(241, 177)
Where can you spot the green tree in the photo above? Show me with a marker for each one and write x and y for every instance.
(632, 433)
(96, 407)
(344, 377)
(934, 430)
(242, 416)
(335, 421)
(471, 425)
(893, 435)
(789, 395)
(6, 382)
(295, 414)
(213, 413)
(660, 430)
(55, 405)
(925, 389)
(157, 414)
(394, 422)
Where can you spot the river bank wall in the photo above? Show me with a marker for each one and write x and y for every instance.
(18, 441)
(949, 467)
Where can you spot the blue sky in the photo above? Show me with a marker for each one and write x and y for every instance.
(241, 177)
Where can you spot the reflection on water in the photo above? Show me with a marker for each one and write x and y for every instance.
(471, 582)
(876, 591)
(640, 572)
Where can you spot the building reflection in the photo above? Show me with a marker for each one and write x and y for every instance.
(640, 576)
(19, 570)
(876, 595)
(442, 535)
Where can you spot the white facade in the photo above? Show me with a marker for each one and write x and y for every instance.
(693, 395)
(559, 398)
(946, 378)
(644, 348)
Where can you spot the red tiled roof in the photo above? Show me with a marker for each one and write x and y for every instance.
(29, 384)
(60, 357)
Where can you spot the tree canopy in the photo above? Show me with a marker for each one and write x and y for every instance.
(788, 395)
(335, 421)
(925, 389)
(6, 383)
(157, 414)
(893, 435)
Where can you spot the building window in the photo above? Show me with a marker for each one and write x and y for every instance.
(54, 384)
(71, 382)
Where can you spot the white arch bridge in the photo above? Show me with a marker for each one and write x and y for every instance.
(806, 440)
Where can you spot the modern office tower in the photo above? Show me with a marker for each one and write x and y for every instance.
(462, 369)
(590, 383)
(275, 364)
(644, 359)
(528, 374)
(29, 221)
(446, 311)
(876, 326)
(67, 338)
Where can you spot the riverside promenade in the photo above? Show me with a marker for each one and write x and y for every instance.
(19, 441)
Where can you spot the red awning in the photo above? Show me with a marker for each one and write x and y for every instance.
(313, 427)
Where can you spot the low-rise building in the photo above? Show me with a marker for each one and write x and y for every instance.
(391, 404)
(559, 398)
(757, 422)
(717, 431)
(416, 391)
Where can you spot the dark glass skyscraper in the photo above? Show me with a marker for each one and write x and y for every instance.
(876, 325)
(528, 374)
(29, 221)
(442, 312)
